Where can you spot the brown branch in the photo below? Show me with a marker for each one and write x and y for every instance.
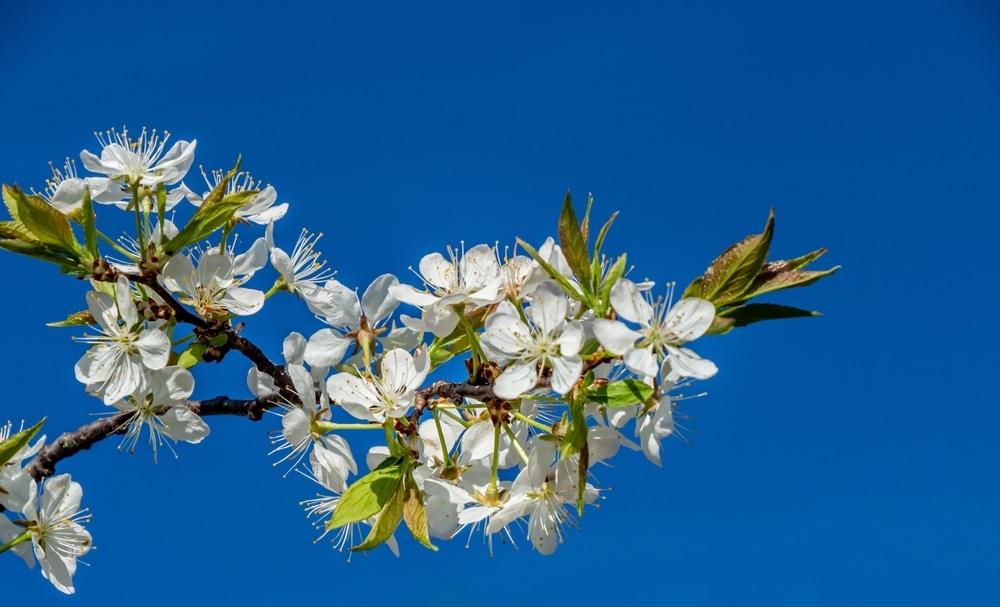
(86, 436)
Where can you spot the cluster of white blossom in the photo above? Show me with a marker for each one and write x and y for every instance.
(563, 353)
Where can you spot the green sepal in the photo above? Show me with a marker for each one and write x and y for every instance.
(387, 520)
(369, 494)
(415, 514)
(622, 393)
(48, 225)
(214, 212)
(74, 320)
(751, 313)
(192, 355)
(13, 444)
(574, 245)
(732, 272)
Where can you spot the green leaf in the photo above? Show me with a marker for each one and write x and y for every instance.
(213, 213)
(693, 289)
(735, 269)
(10, 201)
(620, 393)
(13, 444)
(791, 265)
(386, 522)
(576, 434)
(581, 479)
(47, 224)
(751, 313)
(218, 340)
(415, 514)
(369, 494)
(784, 280)
(616, 271)
(88, 221)
(720, 325)
(602, 234)
(573, 244)
(39, 251)
(75, 320)
(567, 286)
(192, 355)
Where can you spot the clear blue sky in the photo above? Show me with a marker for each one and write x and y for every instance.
(847, 459)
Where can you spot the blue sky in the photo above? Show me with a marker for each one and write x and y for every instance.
(849, 458)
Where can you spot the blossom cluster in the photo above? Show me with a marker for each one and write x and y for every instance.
(567, 359)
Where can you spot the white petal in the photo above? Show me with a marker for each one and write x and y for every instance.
(154, 348)
(378, 302)
(629, 302)
(516, 380)
(565, 372)
(615, 336)
(181, 424)
(326, 348)
(689, 318)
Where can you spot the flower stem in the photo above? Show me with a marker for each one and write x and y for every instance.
(17, 540)
(516, 443)
(524, 418)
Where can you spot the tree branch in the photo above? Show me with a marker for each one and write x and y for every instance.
(84, 437)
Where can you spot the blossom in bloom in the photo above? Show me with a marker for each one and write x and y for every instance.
(359, 319)
(14, 481)
(260, 209)
(540, 494)
(159, 406)
(65, 189)
(554, 342)
(474, 279)
(303, 273)
(126, 350)
(212, 287)
(663, 329)
(323, 506)
(140, 161)
(57, 535)
(389, 395)
(329, 454)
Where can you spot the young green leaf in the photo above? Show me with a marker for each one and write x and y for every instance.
(13, 444)
(386, 521)
(573, 244)
(88, 221)
(784, 280)
(47, 224)
(74, 320)
(369, 494)
(415, 514)
(567, 286)
(751, 313)
(733, 272)
(576, 434)
(620, 393)
(192, 355)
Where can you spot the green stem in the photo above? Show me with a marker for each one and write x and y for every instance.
(116, 246)
(516, 443)
(17, 540)
(524, 418)
(447, 456)
(477, 351)
(492, 492)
